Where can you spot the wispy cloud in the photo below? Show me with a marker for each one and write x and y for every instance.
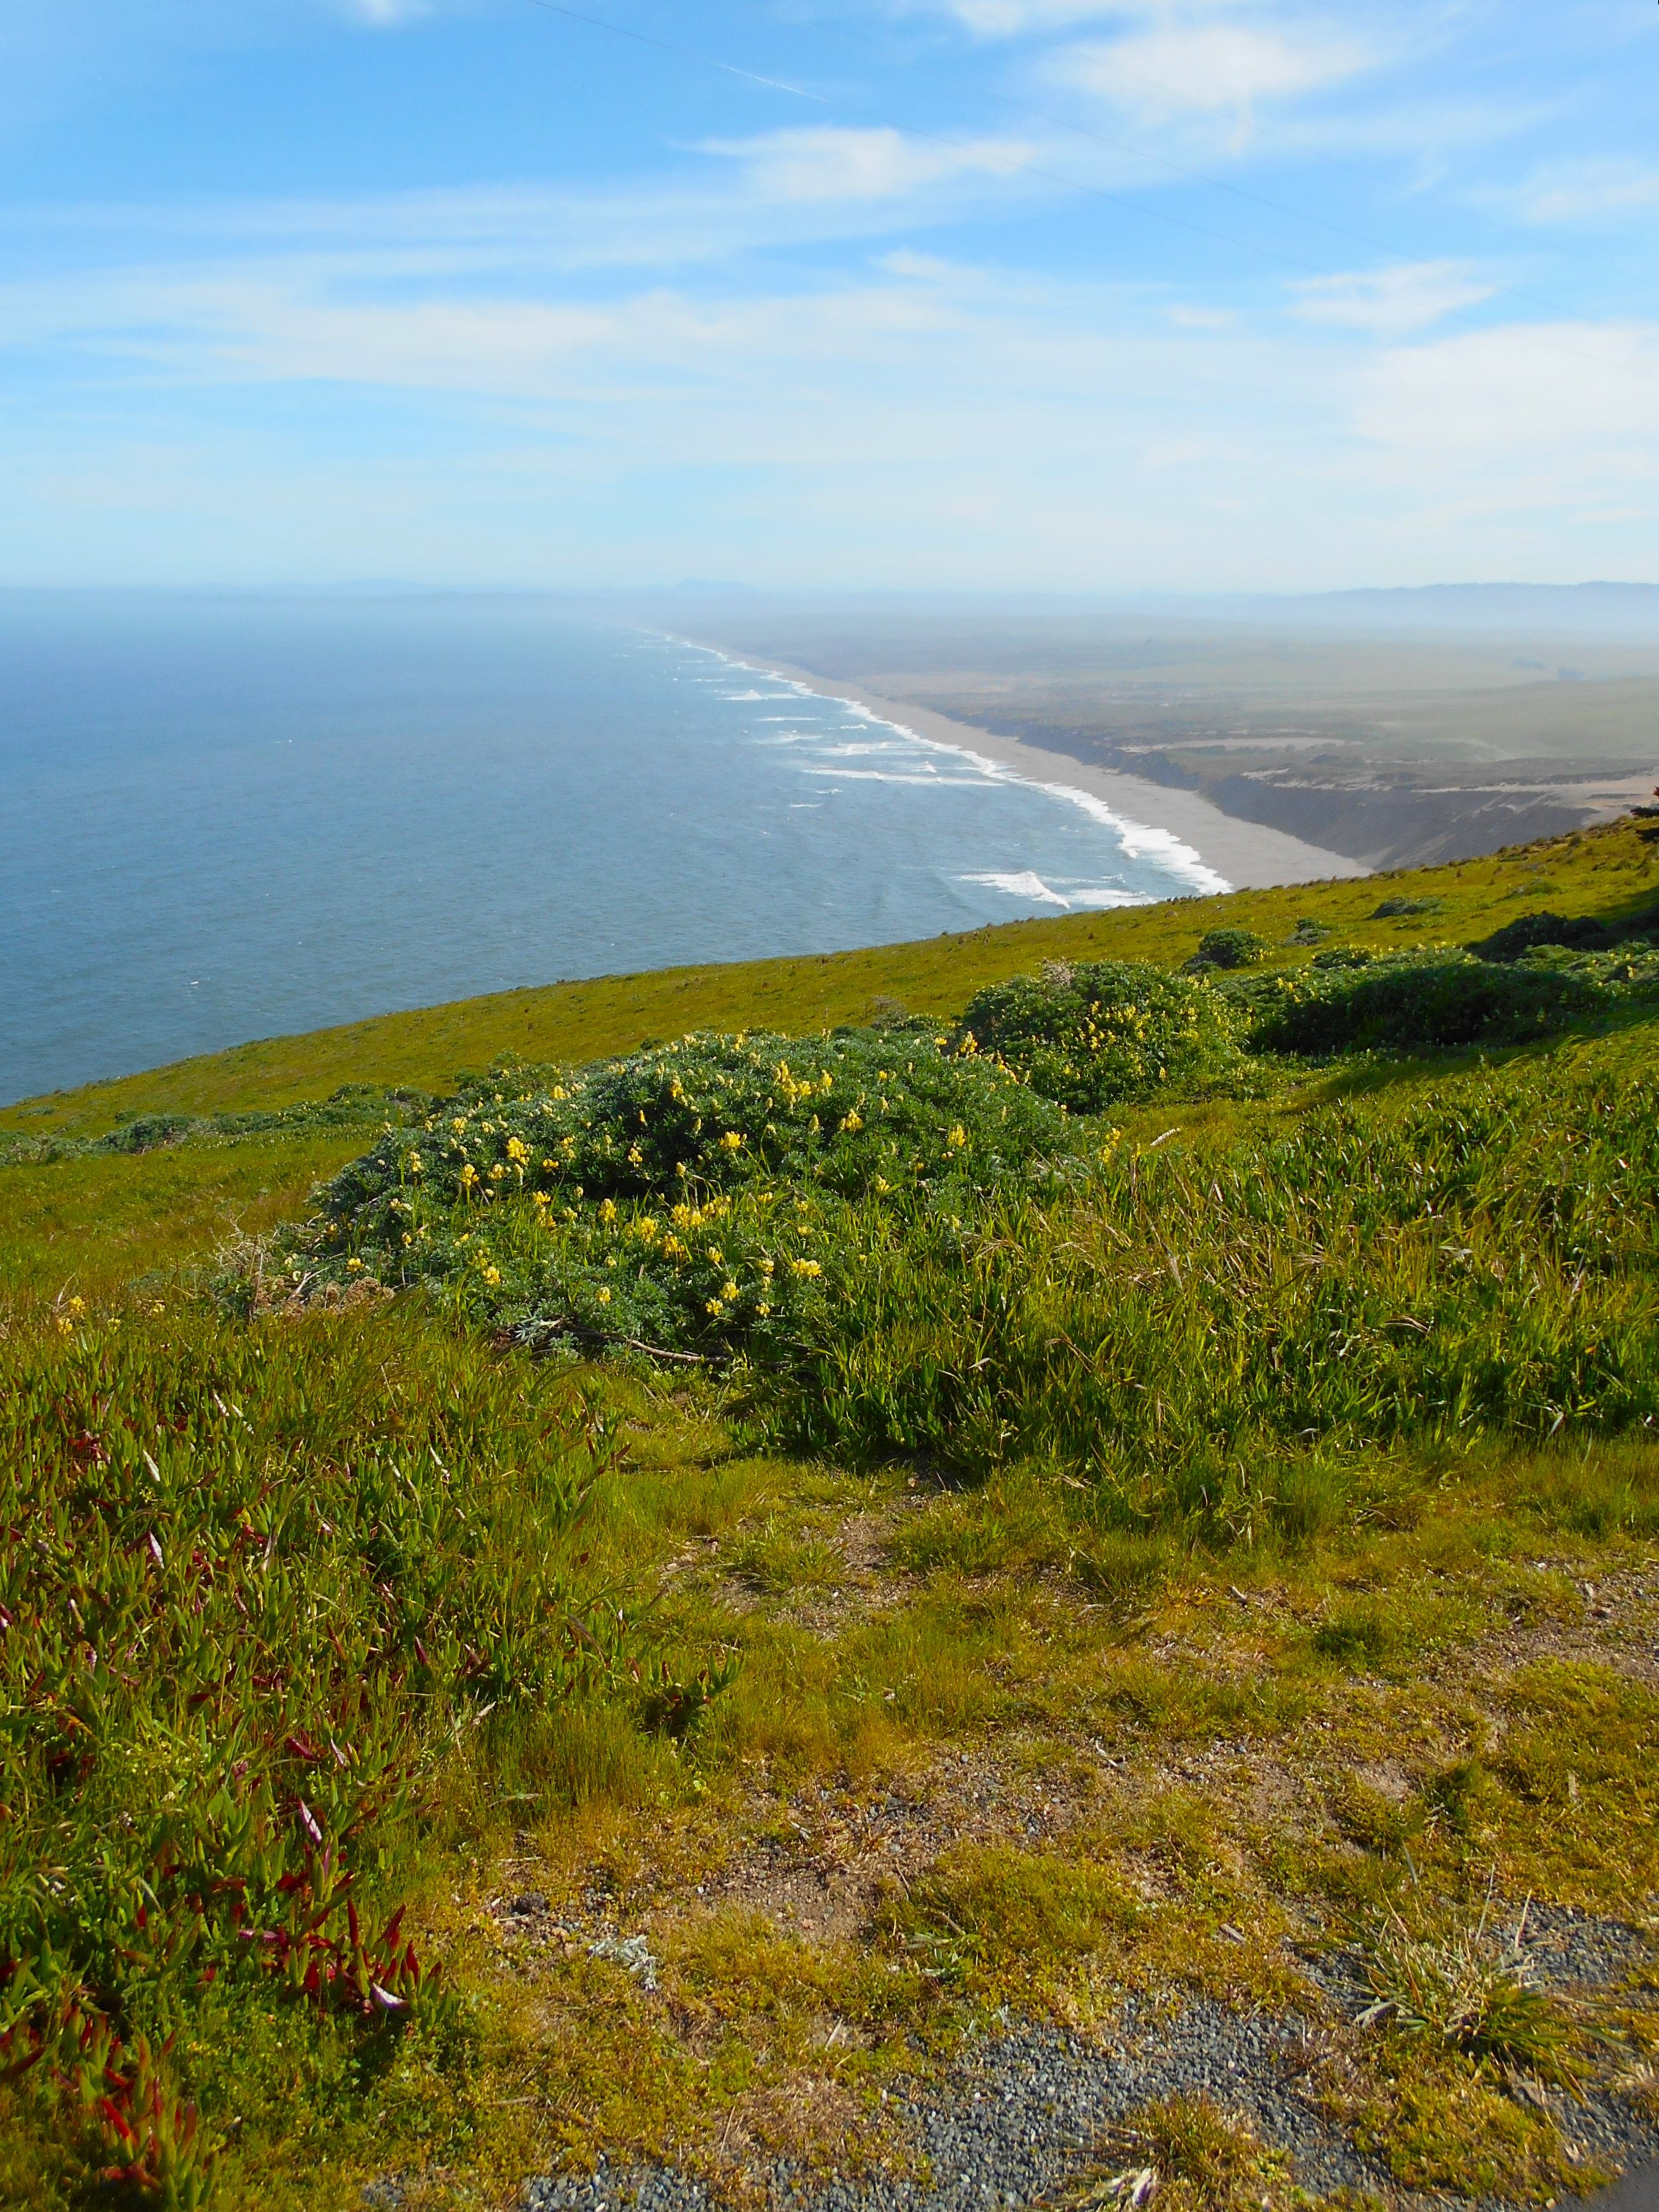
(1583, 191)
(830, 164)
(1185, 69)
(1390, 303)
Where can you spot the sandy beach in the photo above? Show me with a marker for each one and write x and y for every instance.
(1244, 856)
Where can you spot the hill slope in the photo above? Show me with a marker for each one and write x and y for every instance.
(1113, 1635)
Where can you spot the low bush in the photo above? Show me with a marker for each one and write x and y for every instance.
(1421, 1004)
(1394, 909)
(1582, 932)
(690, 1198)
(1105, 1033)
(1228, 948)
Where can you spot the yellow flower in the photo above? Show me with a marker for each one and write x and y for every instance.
(458, 1125)
(469, 1175)
(958, 1136)
(715, 1255)
(806, 1266)
(77, 1306)
(607, 1209)
(636, 1156)
(540, 1198)
(645, 1228)
(763, 1308)
(672, 1249)
(353, 1266)
(853, 1122)
(731, 1142)
(412, 1165)
(766, 1269)
(728, 1289)
(517, 1150)
(882, 1186)
(604, 1296)
(713, 1306)
(497, 1172)
(492, 1276)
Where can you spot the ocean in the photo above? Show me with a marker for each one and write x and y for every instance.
(230, 818)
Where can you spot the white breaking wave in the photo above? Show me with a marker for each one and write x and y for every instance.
(930, 778)
(1139, 841)
(1021, 884)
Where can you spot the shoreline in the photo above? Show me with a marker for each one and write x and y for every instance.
(1152, 818)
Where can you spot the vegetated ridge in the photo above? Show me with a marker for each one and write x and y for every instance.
(1027, 1564)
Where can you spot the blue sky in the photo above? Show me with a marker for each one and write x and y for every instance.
(1078, 295)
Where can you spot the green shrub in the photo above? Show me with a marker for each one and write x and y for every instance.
(1582, 932)
(1105, 1033)
(1344, 956)
(689, 1198)
(1228, 948)
(1422, 1005)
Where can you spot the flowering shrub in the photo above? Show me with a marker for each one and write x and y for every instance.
(1105, 1033)
(690, 1195)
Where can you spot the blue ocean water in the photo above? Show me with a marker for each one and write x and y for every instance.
(227, 818)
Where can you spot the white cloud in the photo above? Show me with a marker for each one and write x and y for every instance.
(827, 163)
(1391, 301)
(1595, 190)
(1558, 414)
(1178, 69)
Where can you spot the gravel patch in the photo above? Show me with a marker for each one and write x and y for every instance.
(1021, 2114)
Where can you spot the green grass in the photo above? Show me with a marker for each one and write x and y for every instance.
(1236, 1514)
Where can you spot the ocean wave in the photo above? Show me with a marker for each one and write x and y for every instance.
(1019, 884)
(1138, 841)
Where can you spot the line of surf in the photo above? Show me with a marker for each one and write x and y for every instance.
(1140, 840)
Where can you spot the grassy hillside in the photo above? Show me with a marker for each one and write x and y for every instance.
(1130, 1501)
(1598, 871)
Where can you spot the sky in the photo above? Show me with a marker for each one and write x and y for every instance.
(1083, 295)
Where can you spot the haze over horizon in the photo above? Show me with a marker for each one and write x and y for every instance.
(1087, 296)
